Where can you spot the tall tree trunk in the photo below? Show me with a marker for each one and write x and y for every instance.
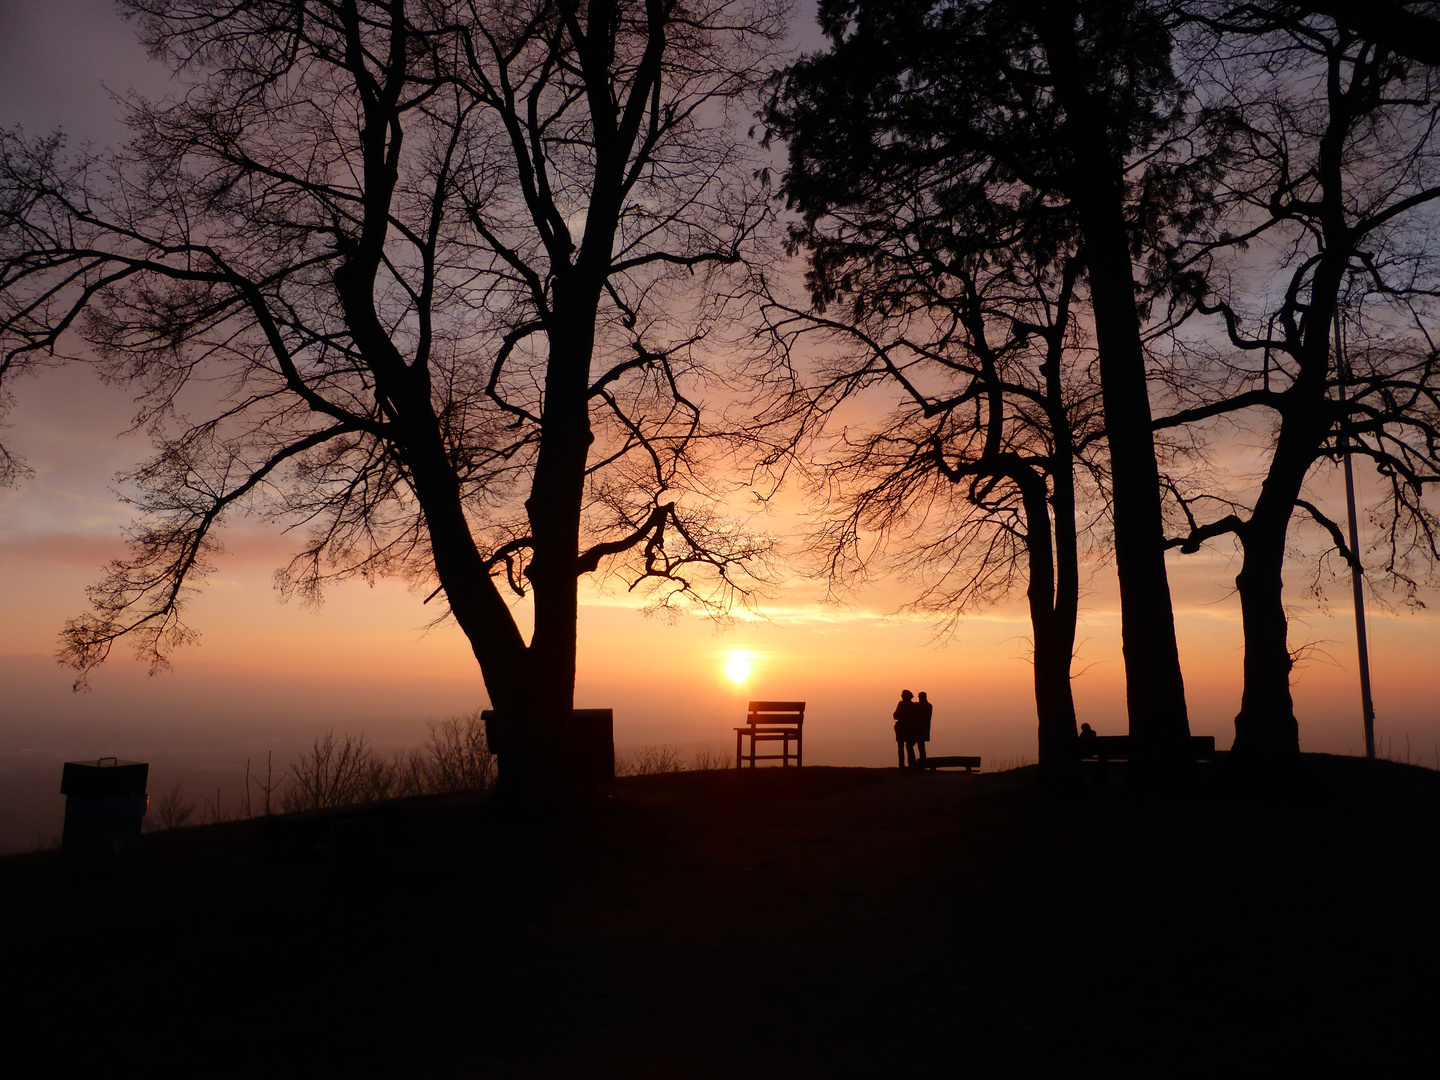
(1054, 636)
(537, 767)
(1266, 732)
(1266, 751)
(1154, 686)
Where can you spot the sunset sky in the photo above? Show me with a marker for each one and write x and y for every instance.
(271, 676)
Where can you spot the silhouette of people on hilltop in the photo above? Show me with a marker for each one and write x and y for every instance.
(904, 721)
(912, 728)
(923, 711)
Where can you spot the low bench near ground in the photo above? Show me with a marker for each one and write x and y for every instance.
(969, 764)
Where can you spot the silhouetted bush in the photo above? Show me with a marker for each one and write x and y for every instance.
(459, 759)
(348, 771)
(170, 811)
(654, 760)
(1009, 764)
(214, 815)
(650, 761)
(707, 760)
(332, 774)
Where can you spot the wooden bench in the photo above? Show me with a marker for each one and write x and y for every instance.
(969, 764)
(1107, 748)
(771, 721)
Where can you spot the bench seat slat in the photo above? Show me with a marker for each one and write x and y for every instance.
(951, 762)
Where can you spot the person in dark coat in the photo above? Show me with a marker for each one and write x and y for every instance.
(905, 723)
(923, 711)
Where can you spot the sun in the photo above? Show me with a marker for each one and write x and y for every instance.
(738, 668)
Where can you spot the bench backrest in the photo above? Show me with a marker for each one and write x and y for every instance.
(776, 714)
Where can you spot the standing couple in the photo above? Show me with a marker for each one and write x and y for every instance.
(912, 727)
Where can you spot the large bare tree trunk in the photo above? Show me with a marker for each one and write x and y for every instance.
(1266, 751)
(1266, 732)
(1154, 687)
(538, 767)
(1053, 627)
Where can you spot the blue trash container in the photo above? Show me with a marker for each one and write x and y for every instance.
(105, 803)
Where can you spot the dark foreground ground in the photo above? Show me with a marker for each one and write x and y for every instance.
(811, 923)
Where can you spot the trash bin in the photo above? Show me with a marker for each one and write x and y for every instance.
(592, 742)
(105, 803)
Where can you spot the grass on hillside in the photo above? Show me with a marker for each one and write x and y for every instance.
(803, 922)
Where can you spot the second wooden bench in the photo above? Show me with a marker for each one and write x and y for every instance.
(772, 721)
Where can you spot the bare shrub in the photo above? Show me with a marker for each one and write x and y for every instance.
(412, 772)
(379, 777)
(247, 809)
(708, 760)
(347, 771)
(213, 814)
(268, 787)
(459, 757)
(651, 761)
(334, 773)
(1009, 764)
(171, 811)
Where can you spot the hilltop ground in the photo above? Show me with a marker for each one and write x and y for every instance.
(805, 923)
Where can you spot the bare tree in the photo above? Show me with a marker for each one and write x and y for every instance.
(463, 271)
(651, 761)
(1062, 120)
(1408, 28)
(457, 757)
(334, 773)
(172, 810)
(268, 787)
(1331, 194)
(969, 486)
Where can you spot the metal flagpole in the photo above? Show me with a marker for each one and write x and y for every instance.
(1367, 704)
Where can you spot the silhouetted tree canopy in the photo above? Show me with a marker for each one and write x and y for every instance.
(968, 484)
(458, 275)
(1046, 130)
(1319, 276)
(1409, 28)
